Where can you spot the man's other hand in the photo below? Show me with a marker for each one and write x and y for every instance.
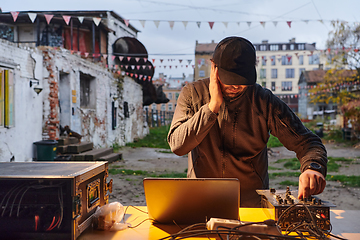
(311, 183)
(216, 97)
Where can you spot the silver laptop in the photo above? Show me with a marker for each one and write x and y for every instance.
(192, 200)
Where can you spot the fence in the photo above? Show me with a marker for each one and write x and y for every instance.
(156, 118)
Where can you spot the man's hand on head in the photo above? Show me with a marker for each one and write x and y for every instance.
(311, 183)
(216, 97)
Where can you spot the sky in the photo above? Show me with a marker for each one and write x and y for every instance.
(305, 20)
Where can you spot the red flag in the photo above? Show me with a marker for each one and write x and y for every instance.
(67, 19)
(289, 23)
(14, 15)
(128, 58)
(126, 22)
(153, 60)
(113, 57)
(211, 24)
(48, 17)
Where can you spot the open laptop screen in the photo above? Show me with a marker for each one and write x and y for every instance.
(192, 200)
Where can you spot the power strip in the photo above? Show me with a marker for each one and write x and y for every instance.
(218, 223)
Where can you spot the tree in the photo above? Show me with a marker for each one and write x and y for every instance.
(343, 52)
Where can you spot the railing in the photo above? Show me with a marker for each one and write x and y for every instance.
(156, 118)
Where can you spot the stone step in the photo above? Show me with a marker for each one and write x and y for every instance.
(63, 140)
(80, 147)
(112, 157)
(92, 155)
(62, 149)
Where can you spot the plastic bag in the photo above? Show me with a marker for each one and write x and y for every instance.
(109, 216)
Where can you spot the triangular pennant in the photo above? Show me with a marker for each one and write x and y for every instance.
(180, 60)
(193, 66)
(145, 59)
(97, 21)
(133, 67)
(116, 66)
(81, 19)
(113, 57)
(131, 74)
(189, 61)
(161, 60)
(225, 24)
(263, 24)
(142, 23)
(67, 19)
(157, 23)
(48, 17)
(170, 66)
(248, 23)
(275, 23)
(185, 23)
(143, 66)
(321, 21)
(306, 21)
(105, 56)
(165, 66)
(149, 66)
(14, 15)
(121, 58)
(171, 23)
(126, 66)
(289, 23)
(198, 24)
(211, 24)
(153, 60)
(128, 58)
(32, 16)
(238, 23)
(126, 21)
(138, 67)
(137, 59)
(86, 54)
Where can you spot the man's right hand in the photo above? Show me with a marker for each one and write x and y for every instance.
(216, 97)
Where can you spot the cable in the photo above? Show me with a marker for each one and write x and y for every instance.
(141, 222)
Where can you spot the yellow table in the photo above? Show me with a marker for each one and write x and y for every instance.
(345, 224)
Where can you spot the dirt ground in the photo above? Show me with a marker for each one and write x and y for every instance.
(128, 189)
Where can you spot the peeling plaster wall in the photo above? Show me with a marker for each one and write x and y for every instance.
(18, 140)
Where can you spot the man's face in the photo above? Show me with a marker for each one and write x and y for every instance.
(231, 91)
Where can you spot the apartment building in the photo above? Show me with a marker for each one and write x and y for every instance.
(279, 65)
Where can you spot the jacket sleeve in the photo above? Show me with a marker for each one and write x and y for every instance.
(189, 125)
(288, 128)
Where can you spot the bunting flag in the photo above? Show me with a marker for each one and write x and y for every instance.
(86, 54)
(142, 23)
(225, 24)
(238, 23)
(137, 59)
(126, 21)
(275, 23)
(14, 15)
(185, 23)
(248, 23)
(198, 24)
(306, 21)
(66, 19)
(121, 58)
(289, 23)
(263, 24)
(171, 23)
(113, 57)
(48, 17)
(81, 19)
(97, 21)
(105, 56)
(32, 16)
(157, 23)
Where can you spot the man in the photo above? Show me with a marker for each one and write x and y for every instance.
(225, 123)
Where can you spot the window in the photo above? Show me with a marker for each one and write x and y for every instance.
(274, 47)
(6, 98)
(314, 59)
(286, 86)
(7, 32)
(286, 60)
(163, 107)
(170, 106)
(301, 59)
(292, 47)
(153, 106)
(262, 73)
(284, 47)
(126, 110)
(273, 86)
(301, 47)
(176, 96)
(301, 70)
(87, 91)
(290, 73)
(273, 60)
(169, 95)
(262, 47)
(201, 73)
(274, 73)
(263, 60)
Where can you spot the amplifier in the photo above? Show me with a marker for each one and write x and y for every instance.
(290, 211)
(50, 200)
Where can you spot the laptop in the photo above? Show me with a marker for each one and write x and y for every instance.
(192, 200)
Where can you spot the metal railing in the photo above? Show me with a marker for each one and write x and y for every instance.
(156, 118)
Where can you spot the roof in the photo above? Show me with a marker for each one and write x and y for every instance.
(316, 76)
(205, 48)
(23, 16)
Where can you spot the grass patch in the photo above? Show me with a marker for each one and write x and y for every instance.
(147, 174)
(273, 168)
(350, 181)
(332, 166)
(283, 174)
(341, 159)
(157, 138)
(290, 163)
(289, 183)
(274, 142)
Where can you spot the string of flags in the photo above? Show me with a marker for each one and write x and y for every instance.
(171, 23)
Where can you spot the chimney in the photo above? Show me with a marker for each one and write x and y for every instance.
(265, 41)
(292, 40)
(212, 41)
(196, 42)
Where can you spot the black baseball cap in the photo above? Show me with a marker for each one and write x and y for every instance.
(235, 58)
